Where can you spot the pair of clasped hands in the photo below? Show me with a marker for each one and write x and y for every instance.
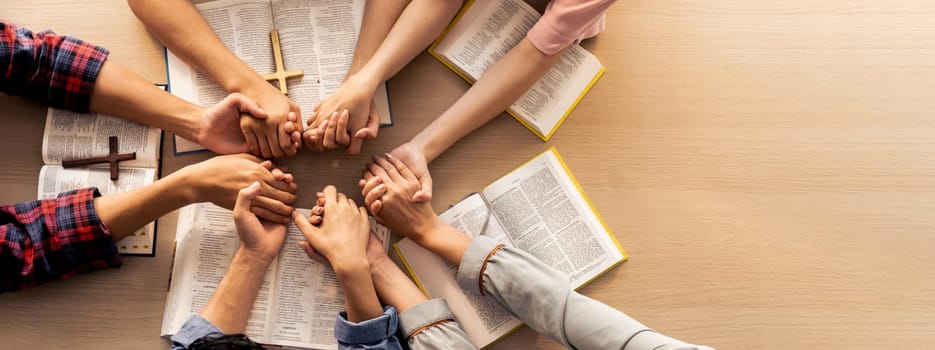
(394, 194)
(338, 231)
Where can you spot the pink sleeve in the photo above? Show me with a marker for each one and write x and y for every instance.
(566, 22)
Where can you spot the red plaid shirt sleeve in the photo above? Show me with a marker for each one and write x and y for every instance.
(52, 239)
(57, 70)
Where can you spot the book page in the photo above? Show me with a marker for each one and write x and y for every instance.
(53, 179)
(482, 318)
(243, 26)
(308, 298)
(70, 136)
(203, 254)
(319, 37)
(545, 214)
(490, 29)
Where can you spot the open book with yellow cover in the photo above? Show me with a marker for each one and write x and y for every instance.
(539, 208)
(486, 30)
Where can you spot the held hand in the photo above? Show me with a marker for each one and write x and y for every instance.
(413, 158)
(219, 179)
(261, 238)
(219, 128)
(342, 236)
(356, 97)
(280, 133)
(393, 190)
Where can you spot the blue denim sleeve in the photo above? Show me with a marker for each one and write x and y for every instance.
(377, 333)
(195, 328)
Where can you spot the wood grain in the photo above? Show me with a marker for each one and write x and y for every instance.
(769, 166)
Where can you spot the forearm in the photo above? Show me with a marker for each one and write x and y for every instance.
(123, 93)
(125, 212)
(230, 305)
(393, 287)
(182, 29)
(415, 28)
(379, 17)
(494, 92)
(543, 298)
(360, 297)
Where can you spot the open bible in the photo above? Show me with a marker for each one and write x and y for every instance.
(69, 135)
(538, 208)
(299, 298)
(316, 36)
(484, 31)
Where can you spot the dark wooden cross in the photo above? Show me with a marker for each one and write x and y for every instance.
(280, 74)
(113, 158)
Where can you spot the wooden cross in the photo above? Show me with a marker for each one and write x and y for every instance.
(281, 74)
(113, 158)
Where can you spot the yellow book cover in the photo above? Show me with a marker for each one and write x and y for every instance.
(482, 32)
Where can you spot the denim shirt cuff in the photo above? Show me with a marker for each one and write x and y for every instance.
(473, 260)
(424, 314)
(366, 332)
(195, 328)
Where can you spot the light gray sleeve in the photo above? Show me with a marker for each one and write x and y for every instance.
(543, 298)
(430, 325)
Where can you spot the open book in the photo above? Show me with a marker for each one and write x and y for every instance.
(70, 136)
(539, 208)
(297, 303)
(316, 36)
(486, 30)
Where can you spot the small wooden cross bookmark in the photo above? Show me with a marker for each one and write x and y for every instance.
(113, 158)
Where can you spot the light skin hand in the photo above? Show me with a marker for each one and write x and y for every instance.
(219, 128)
(218, 179)
(355, 97)
(342, 240)
(261, 238)
(414, 159)
(279, 134)
(397, 211)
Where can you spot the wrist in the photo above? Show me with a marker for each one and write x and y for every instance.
(185, 184)
(251, 258)
(350, 267)
(363, 81)
(426, 234)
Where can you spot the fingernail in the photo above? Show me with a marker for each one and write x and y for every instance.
(388, 155)
(255, 184)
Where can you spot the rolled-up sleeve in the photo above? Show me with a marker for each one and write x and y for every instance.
(376, 333)
(52, 239)
(58, 70)
(431, 325)
(544, 299)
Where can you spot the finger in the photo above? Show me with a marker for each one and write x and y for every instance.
(250, 138)
(389, 168)
(375, 207)
(317, 210)
(308, 230)
(375, 194)
(315, 220)
(378, 171)
(370, 185)
(331, 194)
(248, 105)
(320, 141)
(272, 137)
(285, 140)
(313, 254)
(270, 216)
(401, 168)
(273, 192)
(272, 205)
(268, 164)
(425, 194)
(351, 202)
(279, 175)
(321, 201)
(341, 197)
(373, 124)
(355, 146)
(310, 136)
(263, 142)
(244, 198)
(328, 139)
(342, 137)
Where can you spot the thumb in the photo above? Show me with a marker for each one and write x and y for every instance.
(425, 194)
(308, 230)
(245, 200)
(245, 104)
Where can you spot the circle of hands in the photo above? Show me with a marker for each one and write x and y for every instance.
(396, 187)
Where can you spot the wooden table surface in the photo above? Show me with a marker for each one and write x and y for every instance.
(768, 165)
